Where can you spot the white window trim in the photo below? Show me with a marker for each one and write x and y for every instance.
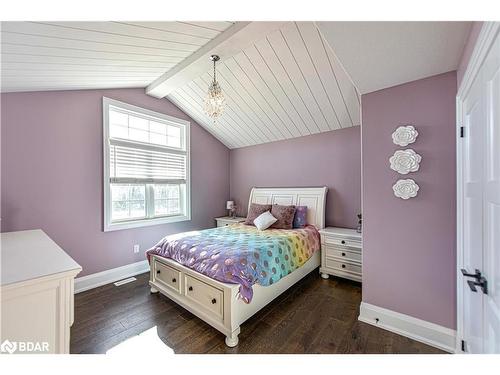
(110, 226)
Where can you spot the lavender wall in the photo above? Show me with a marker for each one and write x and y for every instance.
(328, 159)
(409, 246)
(51, 162)
(467, 52)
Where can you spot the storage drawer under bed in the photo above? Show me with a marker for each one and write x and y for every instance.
(168, 276)
(205, 295)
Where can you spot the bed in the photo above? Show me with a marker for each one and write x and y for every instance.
(188, 268)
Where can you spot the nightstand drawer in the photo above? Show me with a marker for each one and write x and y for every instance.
(342, 266)
(224, 223)
(339, 252)
(341, 242)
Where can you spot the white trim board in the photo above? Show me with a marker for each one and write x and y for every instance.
(483, 44)
(110, 276)
(408, 326)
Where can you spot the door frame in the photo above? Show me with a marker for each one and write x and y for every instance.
(484, 42)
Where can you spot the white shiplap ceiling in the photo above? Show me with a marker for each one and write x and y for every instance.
(285, 85)
(281, 79)
(84, 55)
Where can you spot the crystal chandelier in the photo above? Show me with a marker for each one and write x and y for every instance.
(215, 101)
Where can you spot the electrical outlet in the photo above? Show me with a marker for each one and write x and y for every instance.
(136, 249)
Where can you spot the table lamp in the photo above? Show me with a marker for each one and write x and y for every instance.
(232, 208)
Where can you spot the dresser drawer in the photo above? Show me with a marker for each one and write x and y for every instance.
(168, 276)
(341, 242)
(206, 296)
(342, 266)
(339, 252)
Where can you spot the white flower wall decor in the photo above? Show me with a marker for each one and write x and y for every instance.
(405, 189)
(405, 161)
(404, 135)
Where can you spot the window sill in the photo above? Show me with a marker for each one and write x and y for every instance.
(108, 227)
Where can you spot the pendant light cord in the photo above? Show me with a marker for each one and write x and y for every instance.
(215, 80)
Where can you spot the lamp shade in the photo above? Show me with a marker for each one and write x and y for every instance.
(229, 205)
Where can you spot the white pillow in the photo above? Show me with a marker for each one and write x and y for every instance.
(264, 221)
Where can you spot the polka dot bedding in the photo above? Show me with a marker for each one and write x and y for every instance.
(241, 254)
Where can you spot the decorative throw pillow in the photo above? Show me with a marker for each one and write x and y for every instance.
(264, 221)
(256, 210)
(284, 214)
(300, 218)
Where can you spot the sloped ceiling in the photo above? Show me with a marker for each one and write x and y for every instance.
(285, 85)
(281, 79)
(90, 55)
(378, 55)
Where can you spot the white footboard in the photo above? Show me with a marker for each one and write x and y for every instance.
(214, 302)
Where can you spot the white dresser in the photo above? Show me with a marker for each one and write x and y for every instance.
(341, 253)
(37, 287)
(228, 220)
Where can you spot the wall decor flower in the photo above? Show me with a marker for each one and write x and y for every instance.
(404, 135)
(405, 189)
(405, 161)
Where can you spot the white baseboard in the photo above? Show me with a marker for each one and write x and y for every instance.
(110, 276)
(408, 326)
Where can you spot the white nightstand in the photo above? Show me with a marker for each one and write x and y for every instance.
(341, 253)
(227, 220)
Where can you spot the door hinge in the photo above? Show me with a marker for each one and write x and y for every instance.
(462, 132)
(463, 345)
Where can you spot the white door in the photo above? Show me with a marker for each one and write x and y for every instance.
(479, 217)
(472, 159)
(491, 303)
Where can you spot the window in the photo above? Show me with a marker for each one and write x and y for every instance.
(146, 167)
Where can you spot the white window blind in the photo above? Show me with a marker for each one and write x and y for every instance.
(146, 167)
(131, 163)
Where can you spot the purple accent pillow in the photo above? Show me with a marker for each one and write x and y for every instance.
(284, 214)
(255, 211)
(300, 218)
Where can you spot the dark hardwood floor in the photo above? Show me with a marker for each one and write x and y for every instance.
(314, 316)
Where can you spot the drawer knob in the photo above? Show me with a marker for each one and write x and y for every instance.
(342, 242)
(190, 288)
(343, 266)
(343, 254)
(214, 301)
(158, 272)
(174, 280)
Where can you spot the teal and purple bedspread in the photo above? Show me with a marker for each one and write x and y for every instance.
(241, 254)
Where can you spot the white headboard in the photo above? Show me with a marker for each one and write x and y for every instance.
(314, 198)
